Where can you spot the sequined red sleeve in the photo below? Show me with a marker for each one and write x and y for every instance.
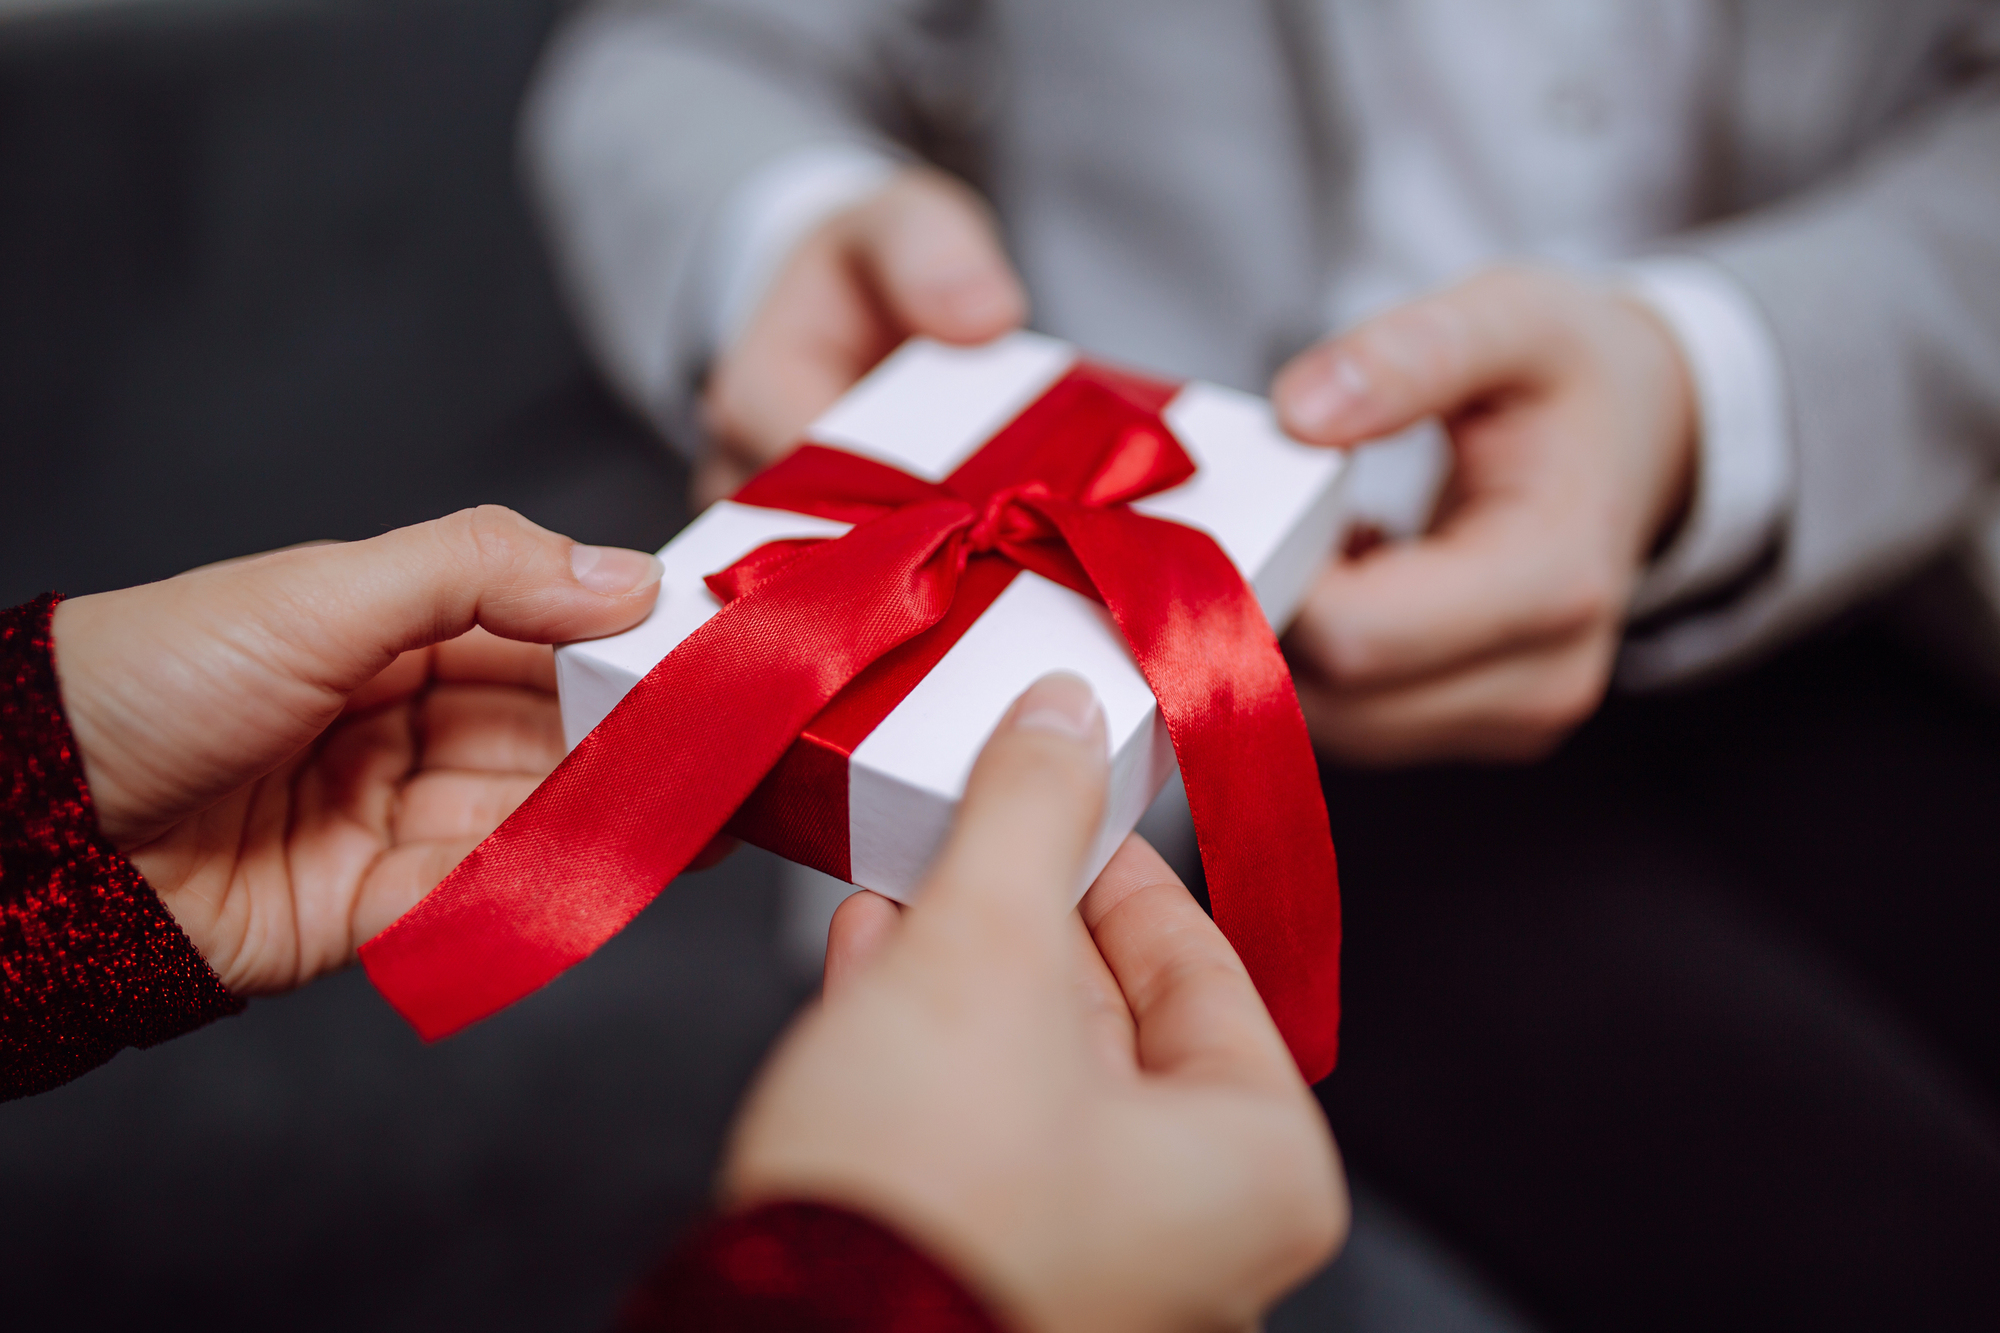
(801, 1268)
(90, 962)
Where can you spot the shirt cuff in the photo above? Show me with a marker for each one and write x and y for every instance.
(769, 213)
(1744, 468)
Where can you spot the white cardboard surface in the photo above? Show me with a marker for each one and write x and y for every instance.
(1271, 503)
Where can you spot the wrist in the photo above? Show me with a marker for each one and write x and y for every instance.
(74, 632)
(1669, 387)
(1743, 471)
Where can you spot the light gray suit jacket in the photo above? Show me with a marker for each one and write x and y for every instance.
(1170, 189)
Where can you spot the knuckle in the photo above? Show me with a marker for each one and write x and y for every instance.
(493, 537)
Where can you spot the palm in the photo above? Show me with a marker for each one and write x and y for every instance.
(283, 879)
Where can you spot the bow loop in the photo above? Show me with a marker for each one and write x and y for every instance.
(1145, 460)
(1096, 437)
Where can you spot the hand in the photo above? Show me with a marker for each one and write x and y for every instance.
(1572, 419)
(1094, 1121)
(293, 749)
(918, 257)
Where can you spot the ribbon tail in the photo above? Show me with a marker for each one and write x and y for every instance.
(659, 777)
(1226, 695)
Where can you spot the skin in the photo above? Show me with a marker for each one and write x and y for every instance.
(1088, 1114)
(1570, 410)
(295, 748)
(920, 256)
(1572, 423)
(1091, 1117)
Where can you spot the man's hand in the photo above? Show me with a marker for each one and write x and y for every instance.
(279, 748)
(1092, 1120)
(1572, 419)
(921, 256)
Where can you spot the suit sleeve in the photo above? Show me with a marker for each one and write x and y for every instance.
(1881, 288)
(648, 118)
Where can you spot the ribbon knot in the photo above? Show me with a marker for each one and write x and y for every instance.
(1004, 521)
(823, 637)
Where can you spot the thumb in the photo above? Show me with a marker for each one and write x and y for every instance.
(1431, 357)
(931, 250)
(862, 926)
(179, 692)
(347, 611)
(1015, 859)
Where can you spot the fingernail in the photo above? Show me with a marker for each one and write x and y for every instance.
(1318, 408)
(612, 570)
(1061, 703)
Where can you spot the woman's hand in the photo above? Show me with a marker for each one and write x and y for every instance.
(1572, 420)
(295, 748)
(1092, 1120)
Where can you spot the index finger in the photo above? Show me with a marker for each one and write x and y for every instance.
(477, 656)
(1198, 1014)
(482, 657)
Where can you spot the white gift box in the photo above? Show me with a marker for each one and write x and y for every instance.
(1271, 503)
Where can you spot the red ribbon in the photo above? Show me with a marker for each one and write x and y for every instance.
(802, 620)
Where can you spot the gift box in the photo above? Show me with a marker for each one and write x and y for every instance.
(831, 648)
(868, 791)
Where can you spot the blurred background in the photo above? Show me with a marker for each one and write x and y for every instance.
(266, 276)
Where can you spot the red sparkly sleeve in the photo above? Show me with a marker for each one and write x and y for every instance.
(801, 1268)
(90, 962)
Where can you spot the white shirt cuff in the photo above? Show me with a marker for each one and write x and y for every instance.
(1744, 469)
(770, 212)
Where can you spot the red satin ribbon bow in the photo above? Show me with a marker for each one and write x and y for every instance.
(664, 773)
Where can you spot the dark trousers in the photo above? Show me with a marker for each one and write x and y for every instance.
(1697, 1024)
